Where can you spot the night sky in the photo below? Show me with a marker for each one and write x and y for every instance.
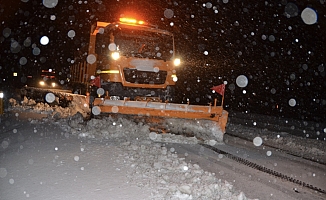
(264, 43)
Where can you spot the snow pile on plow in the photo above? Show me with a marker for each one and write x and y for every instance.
(203, 122)
(54, 111)
(120, 129)
(201, 129)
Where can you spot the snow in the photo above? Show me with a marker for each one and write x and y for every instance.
(310, 149)
(53, 153)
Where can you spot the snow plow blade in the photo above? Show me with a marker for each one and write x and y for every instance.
(203, 122)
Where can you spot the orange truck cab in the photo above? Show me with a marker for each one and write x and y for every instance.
(133, 59)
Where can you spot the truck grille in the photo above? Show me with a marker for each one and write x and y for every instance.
(144, 77)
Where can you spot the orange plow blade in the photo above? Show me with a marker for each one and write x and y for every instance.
(204, 122)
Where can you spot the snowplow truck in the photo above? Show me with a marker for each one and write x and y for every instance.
(131, 64)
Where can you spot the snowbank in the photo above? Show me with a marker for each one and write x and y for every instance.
(159, 168)
(153, 165)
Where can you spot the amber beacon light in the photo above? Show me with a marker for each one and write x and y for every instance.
(131, 21)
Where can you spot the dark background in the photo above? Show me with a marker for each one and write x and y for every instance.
(266, 41)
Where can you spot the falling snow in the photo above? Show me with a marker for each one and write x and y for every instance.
(271, 55)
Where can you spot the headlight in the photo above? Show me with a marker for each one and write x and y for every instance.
(53, 84)
(177, 62)
(174, 78)
(42, 83)
(115, 55)
(1, 94)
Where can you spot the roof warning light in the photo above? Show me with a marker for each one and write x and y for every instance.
(131, 21)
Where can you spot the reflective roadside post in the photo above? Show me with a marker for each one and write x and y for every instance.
(1, 103)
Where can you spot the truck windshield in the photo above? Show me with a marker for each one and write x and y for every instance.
(140, 43)
(131, 42)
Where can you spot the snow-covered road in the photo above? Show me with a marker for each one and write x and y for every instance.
(41, 162)
(256, 183)
(45, 156)
(46, 159)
